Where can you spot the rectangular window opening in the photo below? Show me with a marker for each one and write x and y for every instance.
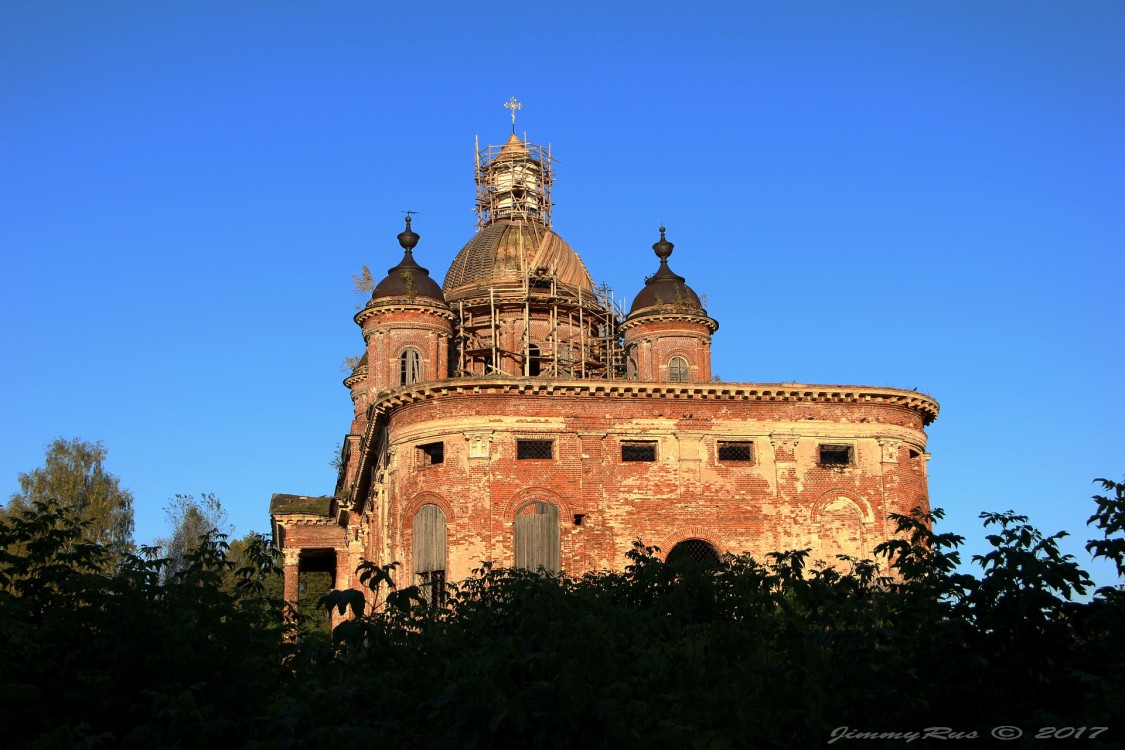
(534, 449)
(638, 451)
(431, 454)
(836, 455)
(736, 451)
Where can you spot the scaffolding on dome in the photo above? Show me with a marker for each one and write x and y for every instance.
(564, 332)
(514, 182)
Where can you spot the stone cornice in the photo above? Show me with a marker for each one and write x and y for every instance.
(664, 313)
(404, 304)
(358, 375)
(919, 403)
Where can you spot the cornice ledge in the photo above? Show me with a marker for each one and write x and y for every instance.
(914, 401)
(404, 304)
(655, 313)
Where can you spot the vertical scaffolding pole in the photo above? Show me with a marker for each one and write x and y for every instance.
(492, 326)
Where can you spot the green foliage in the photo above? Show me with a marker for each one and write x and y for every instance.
(680, 655)
(130, 656)
(73, 473)
(193, 521)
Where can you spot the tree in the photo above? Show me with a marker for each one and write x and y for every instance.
(193, 521)
(74, 476)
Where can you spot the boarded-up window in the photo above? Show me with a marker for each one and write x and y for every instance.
(736, 451)
(410, 367)
(429, 552)
(537, 537)
(678, 371)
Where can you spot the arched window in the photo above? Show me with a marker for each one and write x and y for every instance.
(693, 551)
(533, 360)
(429, 552)
(678, 371)
(410, 367)
(537, 536)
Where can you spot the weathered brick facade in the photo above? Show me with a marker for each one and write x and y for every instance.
(515, 417)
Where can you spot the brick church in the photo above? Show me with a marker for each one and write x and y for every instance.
(516, 413)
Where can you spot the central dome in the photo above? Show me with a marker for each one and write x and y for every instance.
(503, 253)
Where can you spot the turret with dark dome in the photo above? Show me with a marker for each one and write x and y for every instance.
(667, 333)
(407, 326)
(664, 289)
(408, 279)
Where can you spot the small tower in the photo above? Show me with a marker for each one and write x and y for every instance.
(407, 326)
(667, 331)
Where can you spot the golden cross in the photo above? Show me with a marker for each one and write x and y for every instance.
(513, 104)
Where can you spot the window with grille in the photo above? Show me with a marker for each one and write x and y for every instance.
(693, 552)
(431, 453)
(537, 537)
(410, 367)
(836, 455)
(736, 450)
(678, 370)
(534, 449)
(431, 584)
(428, 548)
(638, 451)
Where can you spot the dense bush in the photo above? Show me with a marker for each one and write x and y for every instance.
(745, 654)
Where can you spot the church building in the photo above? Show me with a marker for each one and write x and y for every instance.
(516, 414)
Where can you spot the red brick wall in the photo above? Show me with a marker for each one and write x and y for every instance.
(782, 499)
(651, 345)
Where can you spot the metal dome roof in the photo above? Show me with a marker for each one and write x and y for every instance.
(665, 288)
(504, 252)
(408, 279)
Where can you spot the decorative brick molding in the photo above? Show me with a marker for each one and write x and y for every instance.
(784, 446)
(480, 443)
(890, 447)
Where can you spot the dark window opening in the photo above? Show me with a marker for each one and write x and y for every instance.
(533, 360)
(835, 455)
(732, 451)
(638, 451)
(432, 453)
(914, 453)
(693, 552)
(534, 449)
(579, 518)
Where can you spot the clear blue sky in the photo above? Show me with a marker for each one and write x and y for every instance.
(925, 195)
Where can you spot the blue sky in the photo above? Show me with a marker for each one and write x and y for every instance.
(924, 195)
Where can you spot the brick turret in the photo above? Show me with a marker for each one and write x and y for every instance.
(667, 332)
